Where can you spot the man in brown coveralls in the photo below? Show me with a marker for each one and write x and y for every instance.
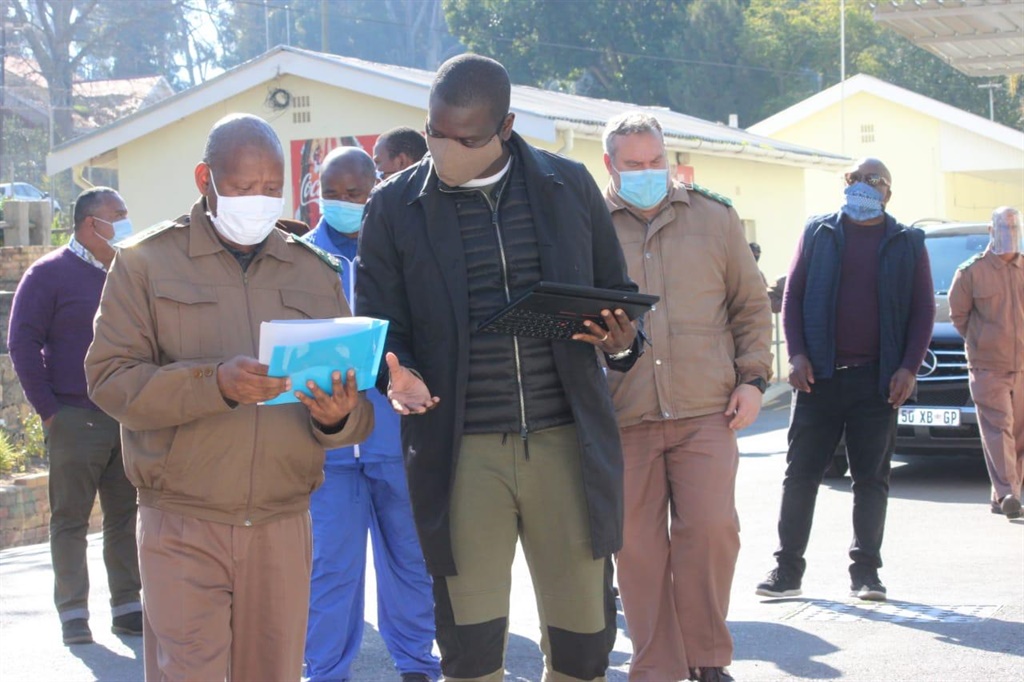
(224, 482)
(986, 304)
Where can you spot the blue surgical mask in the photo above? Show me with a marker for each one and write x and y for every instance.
(343, 216)
(122, 229)
(643, 189)
(863, 202)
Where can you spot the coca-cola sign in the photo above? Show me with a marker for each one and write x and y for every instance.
(307, 158)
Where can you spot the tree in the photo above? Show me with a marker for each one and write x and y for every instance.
(61, 34)
(788, 35)
(684, 55)
(404, 32)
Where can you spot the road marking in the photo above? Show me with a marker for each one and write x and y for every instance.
(893, 612)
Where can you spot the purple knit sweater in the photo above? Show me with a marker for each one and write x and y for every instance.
(51, 329)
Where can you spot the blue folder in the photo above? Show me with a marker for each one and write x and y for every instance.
(317, 360)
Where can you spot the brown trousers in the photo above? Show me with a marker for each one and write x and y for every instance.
(999, 397)
(223, 602)
(681, 540)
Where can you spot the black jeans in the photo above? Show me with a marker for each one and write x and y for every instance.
(849, 401)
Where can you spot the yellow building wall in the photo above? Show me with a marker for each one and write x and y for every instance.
(905, 140)
(919, 150)
(972, 198)
(155, 172)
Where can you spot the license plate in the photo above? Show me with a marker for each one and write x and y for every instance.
(926, 416)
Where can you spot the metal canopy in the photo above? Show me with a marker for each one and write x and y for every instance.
(977, 37)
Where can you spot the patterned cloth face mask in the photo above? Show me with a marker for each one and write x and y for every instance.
(863, 202)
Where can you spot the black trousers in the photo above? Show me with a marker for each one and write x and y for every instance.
(85, 459)
(849, 401)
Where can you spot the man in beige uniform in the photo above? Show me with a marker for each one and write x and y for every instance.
(224, 484)
(986, 304)
(680, 407)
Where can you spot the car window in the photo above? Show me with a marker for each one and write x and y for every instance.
(946, 254)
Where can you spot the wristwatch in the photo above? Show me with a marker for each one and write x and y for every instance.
(621, 355)
(759, 383)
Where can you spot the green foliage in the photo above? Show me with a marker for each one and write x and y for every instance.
(708, 58)
(12, 459)
(33, 439)
(58, 236)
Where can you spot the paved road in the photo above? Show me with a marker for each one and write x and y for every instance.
(955, 575)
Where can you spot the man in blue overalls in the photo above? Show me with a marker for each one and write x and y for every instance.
(364, 488)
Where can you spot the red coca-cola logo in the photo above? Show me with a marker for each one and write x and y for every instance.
(309, 190)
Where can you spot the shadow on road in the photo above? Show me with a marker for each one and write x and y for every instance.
(100, 660)
(793, 651)
(949, 626)
(523, 661)
(932, 478)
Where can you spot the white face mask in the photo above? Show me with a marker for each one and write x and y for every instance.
(245, 220)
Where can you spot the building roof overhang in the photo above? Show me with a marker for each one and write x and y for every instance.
(977, 37)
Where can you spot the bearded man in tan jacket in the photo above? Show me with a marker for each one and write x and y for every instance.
(681, 405)
(224, 483)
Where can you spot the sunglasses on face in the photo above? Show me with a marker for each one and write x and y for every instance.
(873, 179)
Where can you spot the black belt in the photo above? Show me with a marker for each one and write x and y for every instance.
(860, 366)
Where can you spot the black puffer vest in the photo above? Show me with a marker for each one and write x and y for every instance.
(513, 384)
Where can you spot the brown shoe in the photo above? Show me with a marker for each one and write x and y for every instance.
(1010, 506)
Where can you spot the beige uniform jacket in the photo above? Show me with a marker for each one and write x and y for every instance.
(176, 304)
(711, 330)
(986, 305)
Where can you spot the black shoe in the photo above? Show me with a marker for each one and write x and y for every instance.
(416, 677)
(1010, 507)
(76, 631)
(780, 583)
(711, 675)
(996, 508)
(128, 624)
(868, 588)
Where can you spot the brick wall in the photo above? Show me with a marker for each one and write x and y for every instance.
(14, 261)
(25, 512)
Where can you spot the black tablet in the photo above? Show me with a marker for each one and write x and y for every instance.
(550, 310)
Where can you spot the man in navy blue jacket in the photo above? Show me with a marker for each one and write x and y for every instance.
(364, 489)
(858, 313)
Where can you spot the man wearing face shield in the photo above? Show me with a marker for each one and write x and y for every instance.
(680, 407)
(50, 330)
(986, 304)
(223, 482)
(364, 491)
(505, 438)
(858, 313)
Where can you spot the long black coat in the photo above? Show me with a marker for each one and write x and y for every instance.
(412, 272)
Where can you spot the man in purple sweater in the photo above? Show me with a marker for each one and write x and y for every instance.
(857, 312)
(50, 331)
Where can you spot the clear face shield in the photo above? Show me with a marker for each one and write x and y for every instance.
(1006, 231)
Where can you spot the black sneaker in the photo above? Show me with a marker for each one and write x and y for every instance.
(711, 675)
(416, 677)
(76, 631)
(780, 583)
(128, 624)
(868, 589)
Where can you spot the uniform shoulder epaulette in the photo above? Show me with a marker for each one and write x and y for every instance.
(714, 196)
(971, 261)
(327, 258)
(152, 231)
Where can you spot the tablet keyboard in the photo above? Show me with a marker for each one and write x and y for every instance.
(536, 325)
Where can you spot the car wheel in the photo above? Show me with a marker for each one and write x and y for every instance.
(839, 465)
